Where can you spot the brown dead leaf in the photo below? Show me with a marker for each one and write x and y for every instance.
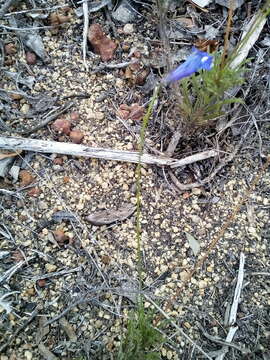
(209, 46)
(134, 112)
(186, 22)
(107, 217)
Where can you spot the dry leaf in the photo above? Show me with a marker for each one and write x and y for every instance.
(106, 217)
(193, 243)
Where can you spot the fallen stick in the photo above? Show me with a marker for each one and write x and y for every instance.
(15, 143)
(233, 313)
(85, 32)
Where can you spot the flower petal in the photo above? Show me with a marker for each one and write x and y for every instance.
(196, 61)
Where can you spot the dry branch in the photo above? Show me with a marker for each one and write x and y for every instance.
(15, 143)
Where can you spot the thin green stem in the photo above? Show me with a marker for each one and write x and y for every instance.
(139, 187)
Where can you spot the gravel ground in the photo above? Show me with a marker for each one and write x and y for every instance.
(72, 283)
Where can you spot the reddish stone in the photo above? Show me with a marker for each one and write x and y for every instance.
(102, 45)
(66, 179)
(31, 58)
(136, 112)
(76, 136)
(74, 116)
(124, 114)
(124, 107)
(58, 161)
(26, 178)
(60, 237)
(136, 74)
(62, 126)
(35, 192)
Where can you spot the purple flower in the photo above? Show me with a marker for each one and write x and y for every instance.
(196, 61)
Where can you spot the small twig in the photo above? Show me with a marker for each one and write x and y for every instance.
(219, 341)
(229, 338)
(10, 272)
(177, 327)
(234, 307)
(259, 273)
(250, 36)
(63, 313)
(227, 33)
(259, 135)
(85, 31)
(33, 10)
(2, 55)
(194, 158)
(55, 274)
(28, 28)
(174, 141)
(10, 193)
(237, 292)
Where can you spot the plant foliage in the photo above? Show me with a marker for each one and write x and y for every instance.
(141, 338)
(204, 95)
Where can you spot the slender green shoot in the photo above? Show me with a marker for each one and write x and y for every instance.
(141, 337)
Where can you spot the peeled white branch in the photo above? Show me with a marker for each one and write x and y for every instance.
(15, 143)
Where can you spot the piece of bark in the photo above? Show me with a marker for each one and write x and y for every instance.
(107, 217)
(249, 37)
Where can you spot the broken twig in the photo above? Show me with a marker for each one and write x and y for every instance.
(85, 31)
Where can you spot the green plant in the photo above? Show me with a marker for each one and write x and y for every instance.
(141, 338)
(204, 95)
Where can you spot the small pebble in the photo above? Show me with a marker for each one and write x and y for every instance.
(25, 108)
(50, 267)
(128, 29)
